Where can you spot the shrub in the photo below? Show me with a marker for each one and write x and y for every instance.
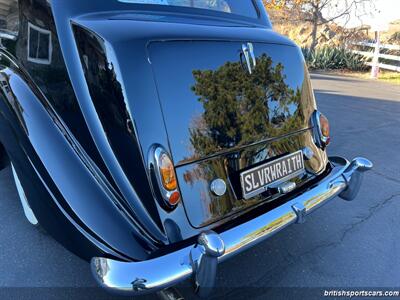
(331, 58)
(395, 38)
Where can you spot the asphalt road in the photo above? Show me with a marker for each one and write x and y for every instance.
(342, 245)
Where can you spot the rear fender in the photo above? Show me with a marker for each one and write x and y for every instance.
(74, 206)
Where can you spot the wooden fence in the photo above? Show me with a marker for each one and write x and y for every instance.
(375, 55)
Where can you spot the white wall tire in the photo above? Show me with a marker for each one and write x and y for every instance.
(24, 201)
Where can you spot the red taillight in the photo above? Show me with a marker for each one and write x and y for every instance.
(174, 198)
(322, 133)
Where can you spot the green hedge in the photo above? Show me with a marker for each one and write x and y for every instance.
(330, 58)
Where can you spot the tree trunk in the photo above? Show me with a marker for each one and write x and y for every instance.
(314, 31)
(314, 37)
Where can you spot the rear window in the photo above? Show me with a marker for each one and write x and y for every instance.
(244, 8)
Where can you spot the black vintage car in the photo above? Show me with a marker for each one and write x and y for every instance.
(156, 138)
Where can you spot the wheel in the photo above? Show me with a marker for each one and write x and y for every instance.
(24, 201)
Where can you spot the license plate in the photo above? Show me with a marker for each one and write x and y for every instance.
(257, 180)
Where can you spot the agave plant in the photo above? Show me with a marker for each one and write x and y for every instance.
(334, 58)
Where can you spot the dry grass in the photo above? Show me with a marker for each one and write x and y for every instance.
(387, 76)
(392, 77)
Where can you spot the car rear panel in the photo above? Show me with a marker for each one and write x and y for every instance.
(203, 207)
(221, 119)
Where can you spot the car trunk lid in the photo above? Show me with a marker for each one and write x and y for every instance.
(211, 103)
(229, 106)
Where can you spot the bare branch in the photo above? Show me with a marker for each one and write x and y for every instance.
(319, 12)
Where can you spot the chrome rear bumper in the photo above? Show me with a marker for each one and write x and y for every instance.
(200, 260)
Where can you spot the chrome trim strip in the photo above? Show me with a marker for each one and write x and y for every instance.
(137, 278)
(239, 148)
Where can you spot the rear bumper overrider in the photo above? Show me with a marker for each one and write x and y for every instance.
(200, 260)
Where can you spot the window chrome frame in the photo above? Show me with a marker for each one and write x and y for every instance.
(40, 31)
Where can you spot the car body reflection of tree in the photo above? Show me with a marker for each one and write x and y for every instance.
(241, 109)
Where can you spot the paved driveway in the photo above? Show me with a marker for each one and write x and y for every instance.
(344, 244)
